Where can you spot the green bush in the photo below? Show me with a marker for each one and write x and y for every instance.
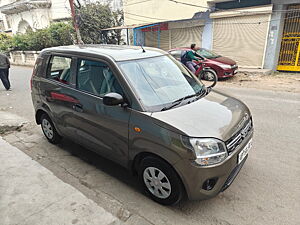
(39, 40)
(61, 34)
(55, 35)
(5, 43)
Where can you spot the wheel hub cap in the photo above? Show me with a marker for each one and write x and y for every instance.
(157, 182)
(47, 128)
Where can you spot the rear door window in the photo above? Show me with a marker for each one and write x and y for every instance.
(60, 69)
(96, 78)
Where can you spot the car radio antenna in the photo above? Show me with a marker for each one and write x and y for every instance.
(143, 48)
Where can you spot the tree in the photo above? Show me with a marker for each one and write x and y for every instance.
(96, 16)
(118, 21)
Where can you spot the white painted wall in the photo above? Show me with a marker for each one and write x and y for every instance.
(36, 19)
(41, 18)
(60, 9)
(140, 12)
(114, 4)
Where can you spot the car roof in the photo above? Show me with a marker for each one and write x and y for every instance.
(116, 52)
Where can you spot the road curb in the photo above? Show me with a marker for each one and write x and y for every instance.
(31, 194)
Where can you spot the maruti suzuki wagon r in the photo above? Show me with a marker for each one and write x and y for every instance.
(142, 109)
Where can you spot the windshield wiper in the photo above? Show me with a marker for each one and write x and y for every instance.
(180, 100)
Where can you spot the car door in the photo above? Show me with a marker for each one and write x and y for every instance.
(100, 127)
(56, 91)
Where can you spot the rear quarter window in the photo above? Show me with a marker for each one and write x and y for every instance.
(37, 67)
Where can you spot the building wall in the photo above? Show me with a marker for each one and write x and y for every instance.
(36, 19)
(274, 38)
(114, 4)
(207, 35)
(7, 24)
(141, 12)
(242, 36)
(42, 17)
(240, 3)
(285, 2)
(60, 9)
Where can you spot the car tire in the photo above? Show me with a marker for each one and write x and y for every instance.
(49, 130)
(160, 181)
(210, 75)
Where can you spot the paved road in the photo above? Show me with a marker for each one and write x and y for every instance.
(267, 190)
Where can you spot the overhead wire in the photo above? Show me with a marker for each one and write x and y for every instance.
(134, 3)
(188, 4)
(148, 18)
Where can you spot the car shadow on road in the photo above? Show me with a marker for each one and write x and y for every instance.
(121, 174)
(101, 163)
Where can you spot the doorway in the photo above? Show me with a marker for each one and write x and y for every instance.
(289, 57)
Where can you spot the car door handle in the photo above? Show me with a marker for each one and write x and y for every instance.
(78, 108)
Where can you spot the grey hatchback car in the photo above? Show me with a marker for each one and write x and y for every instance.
(145, 111)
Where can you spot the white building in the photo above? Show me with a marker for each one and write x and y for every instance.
(114, 4)
(18, 15)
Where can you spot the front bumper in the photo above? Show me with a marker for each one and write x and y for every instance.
(233, 175)
(194, 177)
(228, 72)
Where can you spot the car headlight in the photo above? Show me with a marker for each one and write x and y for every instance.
(208, 151)
(225, 66)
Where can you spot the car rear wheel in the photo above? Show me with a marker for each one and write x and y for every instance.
(160, 181)
(49, 130)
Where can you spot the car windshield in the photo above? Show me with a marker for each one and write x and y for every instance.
(159, 81)
(207, 53)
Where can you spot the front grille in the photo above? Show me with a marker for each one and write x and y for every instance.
(238, 138)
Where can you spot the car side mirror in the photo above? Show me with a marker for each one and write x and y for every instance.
(112, 99)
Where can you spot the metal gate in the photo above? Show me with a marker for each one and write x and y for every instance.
(289, 57)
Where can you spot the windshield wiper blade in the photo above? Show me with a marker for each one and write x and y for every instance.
(171, 106)
(180, 100)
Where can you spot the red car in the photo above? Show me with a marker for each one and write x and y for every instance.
(223, 66)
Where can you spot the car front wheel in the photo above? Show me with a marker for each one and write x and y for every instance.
(160, 181)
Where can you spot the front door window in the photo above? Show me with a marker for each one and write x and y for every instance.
(96, 78)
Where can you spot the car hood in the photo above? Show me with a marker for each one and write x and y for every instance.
(224, 60)
(216, 115)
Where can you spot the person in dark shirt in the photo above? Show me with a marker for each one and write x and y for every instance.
(4, 71)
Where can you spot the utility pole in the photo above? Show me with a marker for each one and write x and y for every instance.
(75, 24)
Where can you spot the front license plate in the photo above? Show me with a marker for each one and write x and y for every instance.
(244, 152)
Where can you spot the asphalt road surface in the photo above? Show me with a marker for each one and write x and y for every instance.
(267, 190)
